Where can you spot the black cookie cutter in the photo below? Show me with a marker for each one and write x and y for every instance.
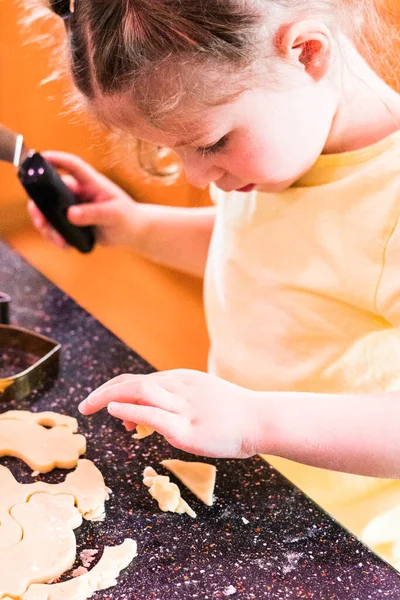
(45, 368)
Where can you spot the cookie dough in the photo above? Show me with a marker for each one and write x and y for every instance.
(47, 418)
(142, 431)
(102, 576)
(166, 493)
(25, 436)
(85, 484)
(48, 546)
(198, 477)
(37, 520)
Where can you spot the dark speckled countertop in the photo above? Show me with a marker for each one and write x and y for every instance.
(263, 538)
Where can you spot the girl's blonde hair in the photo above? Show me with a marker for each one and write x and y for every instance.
(121, 46)
(161, 52)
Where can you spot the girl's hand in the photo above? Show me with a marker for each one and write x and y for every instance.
(102, 203)
(195, 412)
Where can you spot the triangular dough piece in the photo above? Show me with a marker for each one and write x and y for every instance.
(198, 477)
(142, 431)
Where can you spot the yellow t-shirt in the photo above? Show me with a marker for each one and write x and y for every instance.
(302, 293)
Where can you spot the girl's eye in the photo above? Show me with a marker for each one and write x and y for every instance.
(210, 150)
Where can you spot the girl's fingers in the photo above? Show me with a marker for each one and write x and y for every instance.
(43, 226)
(129, 426)
(38, 219)
(114, 381)
(141, 391)
(77, 167)
(127, 377)
(52, 236)
(71, 183)
(165, 423)
(92, 213)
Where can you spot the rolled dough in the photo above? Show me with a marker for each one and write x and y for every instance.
(102, 576)
(48, 547)
(41, 449)
(47, 418)
(37, 541)
(85, 484)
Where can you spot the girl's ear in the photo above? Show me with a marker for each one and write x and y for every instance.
(307, 44)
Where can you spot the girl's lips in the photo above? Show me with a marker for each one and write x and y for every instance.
(247, 188)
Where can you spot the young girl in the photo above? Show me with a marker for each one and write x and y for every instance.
(271, 103)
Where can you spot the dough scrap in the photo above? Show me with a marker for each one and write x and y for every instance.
(142, 431)
(198, 477)
(87, 556)
(48, 547)
(41, 449)
(167, 494)
(102, 576)
(85, 484)
(47, 418)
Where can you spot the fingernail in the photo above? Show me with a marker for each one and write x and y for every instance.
(81, 406)
(91, 399)
(113, 407)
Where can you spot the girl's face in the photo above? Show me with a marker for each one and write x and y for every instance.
(265, 137)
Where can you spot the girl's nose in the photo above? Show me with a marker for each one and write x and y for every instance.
(200, 173)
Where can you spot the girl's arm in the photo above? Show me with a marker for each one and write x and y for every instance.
(174, 237)
(351, 433)
(208, 416)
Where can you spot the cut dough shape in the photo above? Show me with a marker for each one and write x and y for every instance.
(142, 431)
(102, 576)
(41, 449)
(167, 494)
(198, 477)
(48, 547)
(47, 418)
(85, 484)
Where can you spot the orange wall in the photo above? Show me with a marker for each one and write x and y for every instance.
(36, 111)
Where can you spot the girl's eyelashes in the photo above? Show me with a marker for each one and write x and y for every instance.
(217, 147)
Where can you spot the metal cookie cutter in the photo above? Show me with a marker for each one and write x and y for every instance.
(45, 350)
